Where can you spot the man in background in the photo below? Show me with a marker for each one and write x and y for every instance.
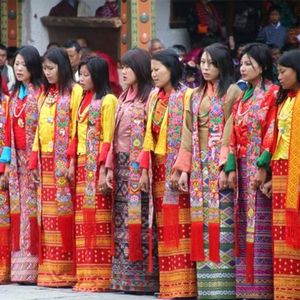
(74, 52)
(5, 69)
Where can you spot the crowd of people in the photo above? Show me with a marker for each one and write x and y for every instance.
(162, 188)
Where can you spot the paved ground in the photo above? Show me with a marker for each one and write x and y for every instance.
(18, 292)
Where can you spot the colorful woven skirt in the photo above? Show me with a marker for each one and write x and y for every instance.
(24, 265)
(93, 262)
(217, 280)
(4, 237)
(177, 273)
(127, 275)
(286, 258)
(262, 287)
(56, 268)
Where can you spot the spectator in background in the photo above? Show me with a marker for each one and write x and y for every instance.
(52, 45)
(65, 8)
(71, 8)
(276, 53)
(180, 50)
(191, 72)
(5, 69)
(11, 53)
(274, 33)
(204, 23)
(74, 52)
(155, 45)
(108, 10)
(82, 42)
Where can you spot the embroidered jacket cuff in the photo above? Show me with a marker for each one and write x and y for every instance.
(2, 168)
(230, 163)
(72, 149)
(104, 153)
(144, 159)
(264, 160)
(5, 155)
(33, 160)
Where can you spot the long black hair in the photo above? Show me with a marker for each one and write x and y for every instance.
(139, 61)
(33, 64)
(289, 59)
(60, 57)
(170, 60)
(221, 59)
(98, 69)
(262, 54)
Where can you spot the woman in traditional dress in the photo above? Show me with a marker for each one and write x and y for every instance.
(4, 200)
(135, 265)
(204, 143)
(95, 127)
(249, 160)
(21, 127)
(177, 273)
(56, 125)
(285, 181)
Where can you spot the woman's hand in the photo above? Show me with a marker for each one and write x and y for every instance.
(223, 181)
(232, 180)
(183, 184)
(174, 179)
(70, 174)
(259, 178)
(102, 185)
(34, 176)
(109, 178)
(266, 189)
(144, 181)
(3, 181)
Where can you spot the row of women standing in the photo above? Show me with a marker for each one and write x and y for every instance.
(191, 173)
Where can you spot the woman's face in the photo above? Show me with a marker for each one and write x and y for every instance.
(209, 71)
(129, 77)
(21, 71)
(250, 70)
(161, 75)
(50, 70)
(288, 78)
(85, 79)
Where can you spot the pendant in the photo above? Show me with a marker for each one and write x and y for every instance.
(50, 120)
(21, 123)
(62, 132)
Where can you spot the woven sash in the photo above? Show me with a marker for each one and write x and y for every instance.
(61, 165)
(206, 178)
(92, 152)
(171, 197)
(137, 133)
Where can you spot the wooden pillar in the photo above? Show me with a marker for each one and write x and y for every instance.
(11, 31)
(138, 23)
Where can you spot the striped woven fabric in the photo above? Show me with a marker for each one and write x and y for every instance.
(56, 268)
(262, 287)
(217, 280)
(177, 273)
(128, 275)
(93, 264)
(286, 258)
